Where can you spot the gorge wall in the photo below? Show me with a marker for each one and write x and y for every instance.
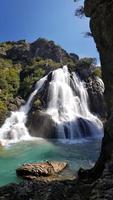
(101, 25)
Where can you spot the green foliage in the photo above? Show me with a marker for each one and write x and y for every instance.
(3, 111)
(5, 46)
(97, 72)
(9, 80)
(69, 62)
(86, 63)
(37, 104)
(35, 70)
(5, 63)
(12, 78)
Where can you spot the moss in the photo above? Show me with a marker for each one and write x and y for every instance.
(37, 104)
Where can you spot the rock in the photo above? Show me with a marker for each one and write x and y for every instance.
(74, 57)
(41, 124)
(44, 169)
(24, 51)
(19, 51)
(19, 101)
(48, 50)
(39, 190)
(96, 96)
(15, 104)
(12, 106)
(101, 18)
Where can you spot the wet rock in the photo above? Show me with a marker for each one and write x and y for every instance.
(39, 190)
(41, 124)
(19, 101)
(44, 169)
(15, 104)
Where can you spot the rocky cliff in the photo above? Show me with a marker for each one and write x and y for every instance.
(101, 18)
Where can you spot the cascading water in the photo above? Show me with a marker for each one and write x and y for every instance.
(67, 105)
(14, 128)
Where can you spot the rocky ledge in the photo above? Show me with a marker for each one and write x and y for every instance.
(44, 170)
(44, 181)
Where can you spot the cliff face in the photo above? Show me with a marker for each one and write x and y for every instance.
(101, 25)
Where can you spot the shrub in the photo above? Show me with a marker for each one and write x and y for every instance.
(97, 72)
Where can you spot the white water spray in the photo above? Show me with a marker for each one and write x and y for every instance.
(67, 105)
(14, 129)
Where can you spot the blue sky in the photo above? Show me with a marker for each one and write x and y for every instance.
(50, 19)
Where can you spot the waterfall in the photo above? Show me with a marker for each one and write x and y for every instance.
(67, 106)
(14, 128)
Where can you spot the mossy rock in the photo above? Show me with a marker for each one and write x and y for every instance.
(37, 104)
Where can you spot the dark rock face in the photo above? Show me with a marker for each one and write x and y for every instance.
(104, 186)
(47, 49)
(38, 122)
(74, 57)
(96, 91)
(39, 190)
(101, 15)
(20, 51)
(101, 18)
(24, 51)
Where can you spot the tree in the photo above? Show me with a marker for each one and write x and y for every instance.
(79, 12)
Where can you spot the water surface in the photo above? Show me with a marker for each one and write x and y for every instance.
(81, 154)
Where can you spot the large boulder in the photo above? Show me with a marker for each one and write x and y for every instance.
(44, 169)
(41, 124)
